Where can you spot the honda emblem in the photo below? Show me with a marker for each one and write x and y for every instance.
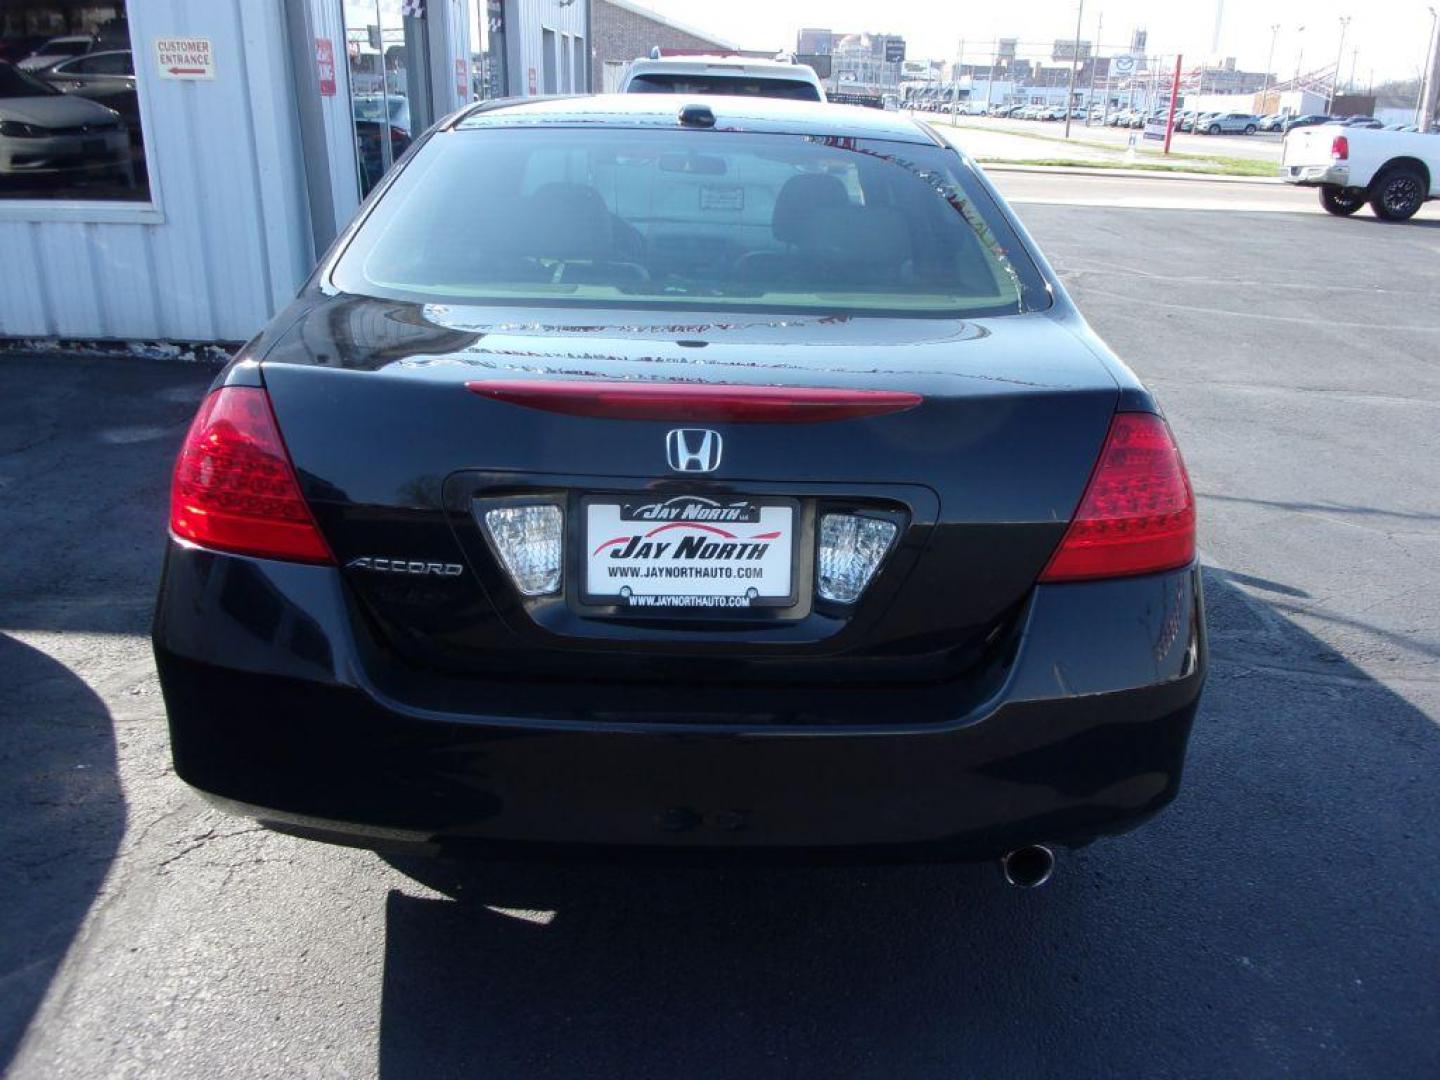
(693, 450)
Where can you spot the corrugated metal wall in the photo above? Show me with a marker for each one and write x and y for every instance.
(228, 241)
(525, 20)
(327, 22)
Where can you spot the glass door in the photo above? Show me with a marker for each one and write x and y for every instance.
(390, 99)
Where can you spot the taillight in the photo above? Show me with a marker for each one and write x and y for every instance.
(695, 401)
(1138, 513)
(234, 488)
(1340, 148)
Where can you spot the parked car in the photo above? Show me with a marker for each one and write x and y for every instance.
(1273, 122)
(735, 75)
(56, 49)
(1229, 123)
(1394, 171)
(104, 77)
(380, 119)
(1361, 122)
(943, 602)
(1307, 120)
(44, 132)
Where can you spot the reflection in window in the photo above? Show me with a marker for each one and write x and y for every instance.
(69, 112)
(389, 83)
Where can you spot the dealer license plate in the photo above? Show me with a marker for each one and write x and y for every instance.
(689, 552)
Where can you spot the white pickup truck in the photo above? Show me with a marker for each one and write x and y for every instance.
(1394, 171)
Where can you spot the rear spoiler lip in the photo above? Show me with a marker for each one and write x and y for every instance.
(732, 402)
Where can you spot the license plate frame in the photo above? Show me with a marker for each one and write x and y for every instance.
(767, 509)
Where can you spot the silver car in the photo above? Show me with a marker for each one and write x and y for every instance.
(1230, 123)
(45, 131)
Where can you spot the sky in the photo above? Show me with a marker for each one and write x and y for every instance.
(1391, 35)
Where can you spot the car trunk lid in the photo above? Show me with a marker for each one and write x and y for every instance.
(397, 455)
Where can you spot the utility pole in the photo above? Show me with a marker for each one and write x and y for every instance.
(1299, 59)
(1425, 115)
(955, 80)
(1174, 99)
(990, 82)
(1094, 64)
(1269, 66)
(1070, 95)
(1339, 60)
(1354, 60)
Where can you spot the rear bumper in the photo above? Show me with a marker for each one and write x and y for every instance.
(276, 710)
(1317, 175)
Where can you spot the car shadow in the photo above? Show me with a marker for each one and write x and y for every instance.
(1277, 918)
(61, 818)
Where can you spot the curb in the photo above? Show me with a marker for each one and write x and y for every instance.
(1134, 174)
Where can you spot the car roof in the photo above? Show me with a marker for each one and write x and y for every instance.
(757, 114)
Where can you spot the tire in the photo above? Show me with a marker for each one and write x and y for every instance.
(1342, 202)
(1397, 193)
(1213, 129)
(1249, 129)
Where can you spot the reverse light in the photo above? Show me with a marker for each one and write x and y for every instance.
(531, 543)
(234, 488)
(615, 400)
(1138, 513)
(851, 548)
(1340, 148)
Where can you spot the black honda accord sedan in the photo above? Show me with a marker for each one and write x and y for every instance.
(645, 474)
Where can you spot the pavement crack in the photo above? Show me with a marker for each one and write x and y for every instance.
(205, 839)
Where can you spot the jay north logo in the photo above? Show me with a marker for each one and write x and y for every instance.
(702, 548)
(691, 508)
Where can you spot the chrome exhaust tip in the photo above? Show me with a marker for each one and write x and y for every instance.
(1028, 867)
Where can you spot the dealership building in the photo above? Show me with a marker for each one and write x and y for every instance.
(171, 169)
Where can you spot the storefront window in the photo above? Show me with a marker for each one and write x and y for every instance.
(487, 50)
(390, 82)
(69, 113)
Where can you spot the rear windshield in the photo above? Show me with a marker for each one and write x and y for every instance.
(742, 86)
(646, 218)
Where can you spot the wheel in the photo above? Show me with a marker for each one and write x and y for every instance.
(1342, 202)
(1214, 129)
(1249, 129)
(1397, 193)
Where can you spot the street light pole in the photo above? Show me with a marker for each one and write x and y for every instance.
(1430, 81)
(1070, 95)
(1299, 59)
(1094, 65)
(1339, 60)
(1269, 66)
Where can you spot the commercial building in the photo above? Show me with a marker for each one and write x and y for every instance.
(624, 31)
(183, 170)
(860, 63)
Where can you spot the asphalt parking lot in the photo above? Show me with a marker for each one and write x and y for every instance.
(1279, 919)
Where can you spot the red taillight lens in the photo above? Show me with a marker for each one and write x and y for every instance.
(1340, 148)
(691, 401)
(1138, 513)
(234, 488)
